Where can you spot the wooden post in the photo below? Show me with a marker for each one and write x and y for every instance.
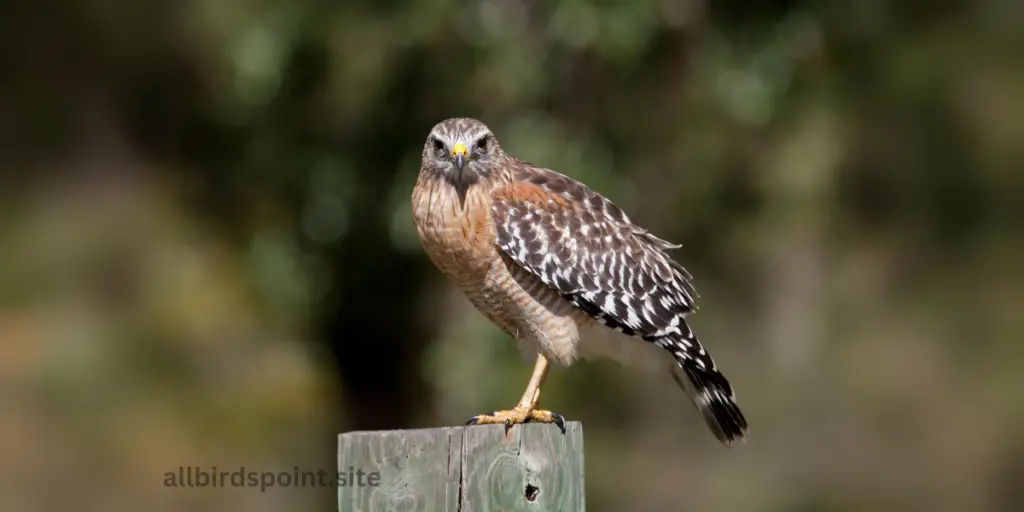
(462, 469)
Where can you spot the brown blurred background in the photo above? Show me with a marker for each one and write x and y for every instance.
(207, 255)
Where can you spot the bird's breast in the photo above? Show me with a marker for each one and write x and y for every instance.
(460, 240)
(458, 236)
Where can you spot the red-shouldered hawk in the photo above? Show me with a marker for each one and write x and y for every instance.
(553, 263)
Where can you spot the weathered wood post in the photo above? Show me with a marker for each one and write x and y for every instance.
(462, 469)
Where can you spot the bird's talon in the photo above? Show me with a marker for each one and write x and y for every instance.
(559, 421)
(518, 415)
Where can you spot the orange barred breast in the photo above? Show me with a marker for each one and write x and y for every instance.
(460, 241)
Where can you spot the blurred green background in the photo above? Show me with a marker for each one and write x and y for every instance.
(207, 255)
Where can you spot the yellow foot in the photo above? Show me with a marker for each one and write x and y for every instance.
(518, 415)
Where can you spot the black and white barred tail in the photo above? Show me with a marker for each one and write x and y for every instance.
(706, 387)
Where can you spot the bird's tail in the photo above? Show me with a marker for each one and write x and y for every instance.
(706, 387)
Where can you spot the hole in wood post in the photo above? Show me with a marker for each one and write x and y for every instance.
(532, 492)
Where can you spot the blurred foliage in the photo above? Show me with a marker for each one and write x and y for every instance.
(208, 256)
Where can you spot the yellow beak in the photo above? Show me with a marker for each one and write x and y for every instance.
(460, 153)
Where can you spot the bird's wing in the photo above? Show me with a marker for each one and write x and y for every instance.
(586, 248)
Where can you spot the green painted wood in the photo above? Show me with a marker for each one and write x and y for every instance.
(463, 469)
(533, 468)
(416, 470)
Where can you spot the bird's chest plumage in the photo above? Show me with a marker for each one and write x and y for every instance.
(460, 241)
(458, 237)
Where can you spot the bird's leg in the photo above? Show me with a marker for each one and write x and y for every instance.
(532, 394)
(526, 410)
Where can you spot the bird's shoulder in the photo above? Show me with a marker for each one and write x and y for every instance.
(530, 182)
(550, 192)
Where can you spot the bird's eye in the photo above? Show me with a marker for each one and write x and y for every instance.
(438, 145)
(482, 143)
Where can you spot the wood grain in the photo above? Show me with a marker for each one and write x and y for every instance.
(465, 469)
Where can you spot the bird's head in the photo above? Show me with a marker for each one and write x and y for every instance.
(461, 151)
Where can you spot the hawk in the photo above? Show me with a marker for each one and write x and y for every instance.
(558, 267)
